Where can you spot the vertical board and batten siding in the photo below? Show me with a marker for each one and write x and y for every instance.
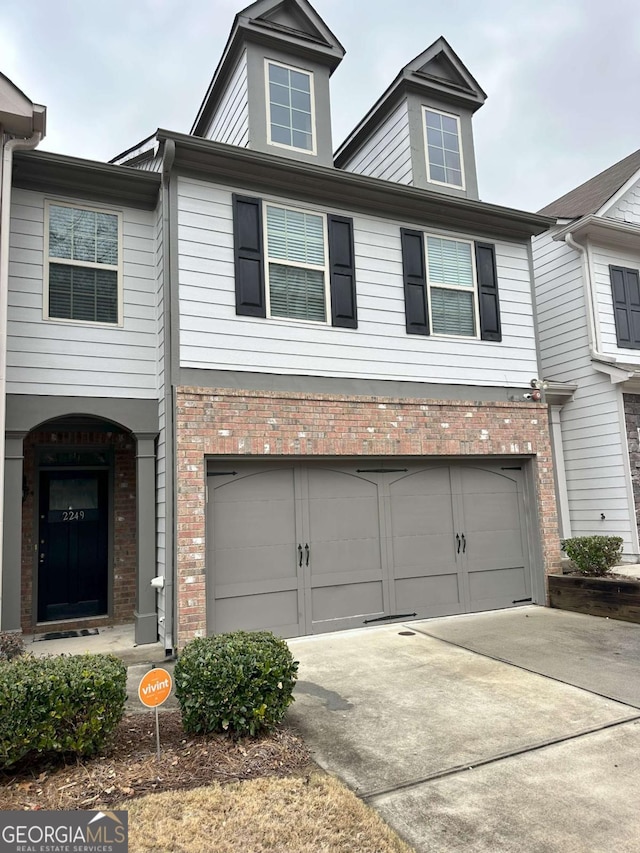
(602, 258)
(628, 207)
(161, 446)
(49, 357)
(593, 436)
(213, 336)
(387, 152)
(230, 121)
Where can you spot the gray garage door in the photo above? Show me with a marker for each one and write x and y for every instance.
(303, 548)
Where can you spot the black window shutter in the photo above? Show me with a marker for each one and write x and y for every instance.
(488, 299)
(344, 310)
(625, 289)
(248, 253)
(415, 282)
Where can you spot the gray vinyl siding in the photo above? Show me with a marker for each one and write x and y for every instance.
(152, 165)
(230, 121)
(628, 207)
(161, 443)
(387, 153)
(602, 258)
(49, 357)
(212, 336)
(593, 434)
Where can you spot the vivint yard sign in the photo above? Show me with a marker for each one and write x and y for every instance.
(64, 832)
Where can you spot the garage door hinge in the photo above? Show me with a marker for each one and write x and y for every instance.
(521, 600)
(391, 616)
(381, 470)
(511, 468)
(222, 474)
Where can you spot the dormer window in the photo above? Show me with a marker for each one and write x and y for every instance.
(290, 113)
(444, 155)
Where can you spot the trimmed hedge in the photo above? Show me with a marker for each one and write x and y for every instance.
(593, 555)
(59, 705)
(241, 683)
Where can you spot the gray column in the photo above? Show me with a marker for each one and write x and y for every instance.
(146, 617)
(12, 541)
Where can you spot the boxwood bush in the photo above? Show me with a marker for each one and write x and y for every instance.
(59, 705)
(240, 683)
(593, 555)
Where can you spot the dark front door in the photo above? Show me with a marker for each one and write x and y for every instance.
(73, 545)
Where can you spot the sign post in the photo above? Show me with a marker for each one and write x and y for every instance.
(153, 690)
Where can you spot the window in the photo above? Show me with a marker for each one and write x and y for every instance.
(290, 120)
(83, 260)
(452, 287)
(296, 264)
(444, 157)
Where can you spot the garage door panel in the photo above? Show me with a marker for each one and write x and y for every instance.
(488, 550)
(272, 484)
(277, 612)
(491, 512)
(433, 555)
(251, 565)
(412, 483)
(428, 512)
(483, 481)
(352, 555)
(429, 596)
(347, 600)
(344, 518)
(498, 588)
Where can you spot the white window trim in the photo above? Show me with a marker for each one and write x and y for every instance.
(296, 265)
(431, 180)
(118, 268)
(439, 286)
(310, 151)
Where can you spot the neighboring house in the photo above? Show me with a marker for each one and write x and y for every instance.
(587, 271)
(326, 365)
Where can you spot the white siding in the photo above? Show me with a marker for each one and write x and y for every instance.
(152, 165)
(593, 434)
(230, 121)
(212, 336)
(602, 258)
(628, 207)
(387, 153)
(48, 357)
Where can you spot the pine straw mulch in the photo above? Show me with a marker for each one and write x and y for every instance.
(129, 767)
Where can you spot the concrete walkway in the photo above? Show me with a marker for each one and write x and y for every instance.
(509, 731)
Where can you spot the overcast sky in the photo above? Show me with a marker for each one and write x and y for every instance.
(561, 75)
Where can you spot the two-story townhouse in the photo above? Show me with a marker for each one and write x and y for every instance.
(352, 349)
(344, 348)
(587, 271)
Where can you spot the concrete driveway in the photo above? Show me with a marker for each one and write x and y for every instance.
(508, 731)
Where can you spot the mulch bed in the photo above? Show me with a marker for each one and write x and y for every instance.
(129, 767)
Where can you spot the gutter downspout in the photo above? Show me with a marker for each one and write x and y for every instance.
(589, 297)
(169, 155)
(5, 226)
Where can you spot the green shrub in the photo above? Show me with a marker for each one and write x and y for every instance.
(240, 683)
(593, 555)
(11, 645)
(59, 705)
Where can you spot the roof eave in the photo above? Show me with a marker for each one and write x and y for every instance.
(320, 184)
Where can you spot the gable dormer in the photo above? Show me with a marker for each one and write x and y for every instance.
(270, 91)
(420, 131)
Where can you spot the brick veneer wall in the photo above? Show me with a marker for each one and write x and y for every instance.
(275, 424)
(124, 521)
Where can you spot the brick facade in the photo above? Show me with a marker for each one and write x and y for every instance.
(276, 424)
(123, 521)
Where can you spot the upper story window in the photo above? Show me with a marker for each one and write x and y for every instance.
(83, 260)
(625, 290)
(444, 154)
(290, 113)
(451, 281)
(296, 259)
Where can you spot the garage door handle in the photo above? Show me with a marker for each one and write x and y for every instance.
(458, 541)
(306, 548)
(300, 554)
(464, 543)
